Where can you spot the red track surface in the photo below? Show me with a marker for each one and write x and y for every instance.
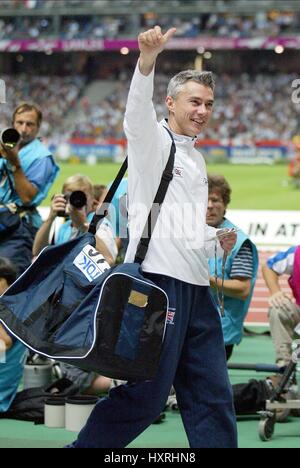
(258, 311)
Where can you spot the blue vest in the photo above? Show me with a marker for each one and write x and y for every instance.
(65, 231)
(118, 219)
(30, 153)
(235, 309)
(11, 373)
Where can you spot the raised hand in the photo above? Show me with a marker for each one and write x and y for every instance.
(153, 41)
(151, 44)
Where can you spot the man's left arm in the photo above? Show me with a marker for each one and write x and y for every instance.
(238, 288)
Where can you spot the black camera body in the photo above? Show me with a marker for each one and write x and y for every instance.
(77, 199)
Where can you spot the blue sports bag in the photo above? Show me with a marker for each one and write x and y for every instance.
(69, 305)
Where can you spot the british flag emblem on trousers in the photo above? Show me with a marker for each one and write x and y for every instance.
(171, 316)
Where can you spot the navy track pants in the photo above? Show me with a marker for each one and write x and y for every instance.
(193, 359)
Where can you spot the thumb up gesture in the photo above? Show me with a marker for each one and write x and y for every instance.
(153, 41)
(151, 44)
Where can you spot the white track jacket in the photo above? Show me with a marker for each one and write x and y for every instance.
(180, 244)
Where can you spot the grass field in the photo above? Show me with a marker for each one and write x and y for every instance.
(254, 187)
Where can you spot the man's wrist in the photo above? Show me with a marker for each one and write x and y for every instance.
(14, 166)
(212, 282)
(146, 64)
(50, 218)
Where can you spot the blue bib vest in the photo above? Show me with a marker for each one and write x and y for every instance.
(235, 309)
(30, 153)
(118, 218)
(65, 230)
(11, 372)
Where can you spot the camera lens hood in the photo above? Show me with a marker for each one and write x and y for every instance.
(9, 137)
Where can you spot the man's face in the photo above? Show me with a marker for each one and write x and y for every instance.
(191, 110)
(26, 123)
(215, 209)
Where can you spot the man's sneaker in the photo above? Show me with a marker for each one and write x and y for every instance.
(160, 418)
(172, 402)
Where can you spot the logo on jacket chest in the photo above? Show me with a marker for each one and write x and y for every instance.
(178, 171)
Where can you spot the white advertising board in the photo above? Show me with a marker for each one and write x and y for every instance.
(267, 229)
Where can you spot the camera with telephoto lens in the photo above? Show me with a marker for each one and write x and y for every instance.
(9, 138)
(77, 199)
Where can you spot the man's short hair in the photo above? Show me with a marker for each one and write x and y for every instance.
(79, 182)
(219, 183)
(28, 107)
(8, 271)
(204, 78)
(98, 190)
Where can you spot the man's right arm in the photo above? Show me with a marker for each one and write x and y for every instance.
(42, 236)
(151, 44)
(140, 118)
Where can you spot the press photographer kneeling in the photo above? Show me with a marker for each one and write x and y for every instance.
(70, 214)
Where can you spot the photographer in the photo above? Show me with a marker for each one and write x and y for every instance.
(27, 172)
(77, 189)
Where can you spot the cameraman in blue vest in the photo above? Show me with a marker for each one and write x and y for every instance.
(240, 269)
(27, 172)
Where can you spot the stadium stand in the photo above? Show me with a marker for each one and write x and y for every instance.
(258, 120)
(262, 98)
(257, 83)
(103, 19)
(56, 96)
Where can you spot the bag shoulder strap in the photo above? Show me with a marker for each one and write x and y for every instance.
(102, 212)
(167, 176)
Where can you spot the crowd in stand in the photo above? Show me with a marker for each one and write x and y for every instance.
(248, 107)
(56, 95)
(232, 25)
